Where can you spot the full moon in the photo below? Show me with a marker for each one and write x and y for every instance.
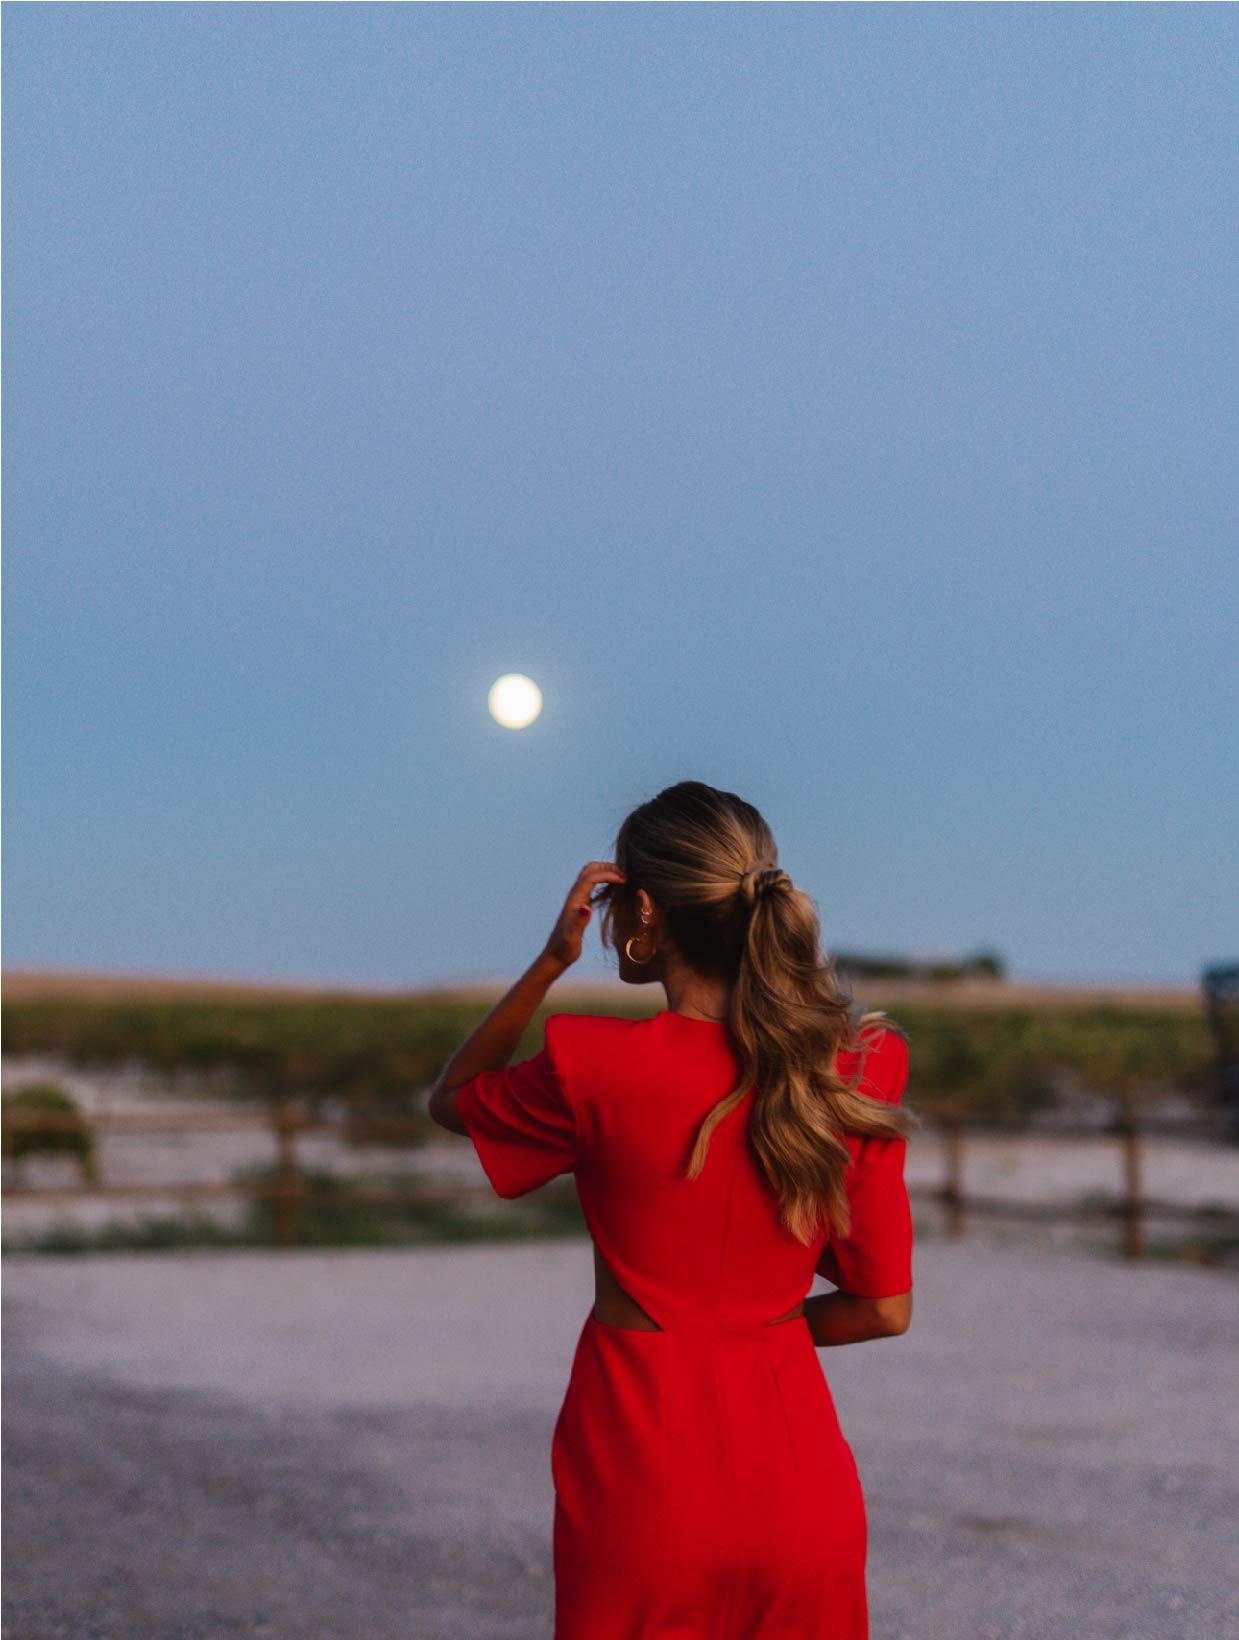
(514, 700)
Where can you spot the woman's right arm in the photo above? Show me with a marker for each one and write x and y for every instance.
(843, 1318)
(872, 1265)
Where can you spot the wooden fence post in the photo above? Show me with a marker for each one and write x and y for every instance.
(287, 1184)
(952, 1193)
(1133, 1194)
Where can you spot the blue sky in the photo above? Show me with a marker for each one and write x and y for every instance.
(835, 403)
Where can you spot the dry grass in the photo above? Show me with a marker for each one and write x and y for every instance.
(24, 985)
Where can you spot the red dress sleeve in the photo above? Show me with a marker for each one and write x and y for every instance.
(522, 1122)
(874, 1260)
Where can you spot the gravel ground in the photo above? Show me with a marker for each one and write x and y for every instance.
(355, 1445)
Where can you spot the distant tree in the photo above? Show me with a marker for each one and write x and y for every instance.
(66, 1133)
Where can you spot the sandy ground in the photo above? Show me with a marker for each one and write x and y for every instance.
(355, 1445)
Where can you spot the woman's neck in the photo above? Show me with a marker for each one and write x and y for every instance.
(696, 995)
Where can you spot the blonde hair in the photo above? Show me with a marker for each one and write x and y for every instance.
(708, 860)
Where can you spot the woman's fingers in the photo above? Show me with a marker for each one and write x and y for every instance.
(565, 942)
(595, 872)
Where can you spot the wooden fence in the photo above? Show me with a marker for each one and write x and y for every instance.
(1130, 1206)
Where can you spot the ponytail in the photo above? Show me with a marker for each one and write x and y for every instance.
(709, 860)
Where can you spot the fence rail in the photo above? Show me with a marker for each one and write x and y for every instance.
(1131, 1206)
(290, 1192)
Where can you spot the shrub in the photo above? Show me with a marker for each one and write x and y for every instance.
(67, 1133)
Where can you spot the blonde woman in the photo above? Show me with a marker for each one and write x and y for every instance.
(725, 1149)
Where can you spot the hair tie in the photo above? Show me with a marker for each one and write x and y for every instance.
(759, 881)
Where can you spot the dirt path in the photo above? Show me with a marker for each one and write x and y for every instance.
(355, 1446)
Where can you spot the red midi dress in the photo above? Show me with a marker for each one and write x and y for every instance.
(703, 1487)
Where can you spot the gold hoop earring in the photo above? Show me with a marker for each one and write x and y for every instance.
(640, 961)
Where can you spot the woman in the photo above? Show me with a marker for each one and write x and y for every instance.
(725, 1149)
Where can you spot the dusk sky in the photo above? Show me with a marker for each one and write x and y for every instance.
(834, 403)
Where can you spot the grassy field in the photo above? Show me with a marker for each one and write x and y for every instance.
(30, 984)
(1002, 1051)
(1003, 1054)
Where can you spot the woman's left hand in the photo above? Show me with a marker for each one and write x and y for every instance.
(564, 945)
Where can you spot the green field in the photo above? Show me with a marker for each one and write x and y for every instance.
(375, 1054)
